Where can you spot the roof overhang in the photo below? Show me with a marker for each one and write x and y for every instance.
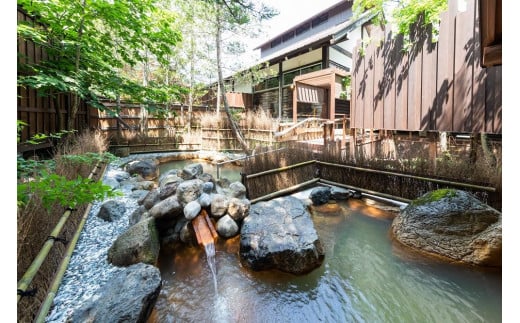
(331, 35)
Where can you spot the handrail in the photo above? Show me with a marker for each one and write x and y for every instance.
(28, 276)
(284, 132)
(220, 164)
(435, 180)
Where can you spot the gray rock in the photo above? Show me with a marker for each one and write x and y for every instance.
(219, 205)
(140, 243)
(227, 227)
(111, 210)
(151, 199)
(238, 209)
(168, 208)
(168, 190)
(112, 182)
(320, 195)
(188, 191)
(191, 171)
(147, 168)
(139, 195)
(137, 215)
(340, 194)
(170, 179)
(279, 234)
(191, 210)
(205, 200)
(207, 187)
(129, 296)
(238, 190)
(452, 224)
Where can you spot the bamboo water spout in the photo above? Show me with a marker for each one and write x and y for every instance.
(204, 229)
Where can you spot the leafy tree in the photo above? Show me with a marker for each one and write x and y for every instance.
(231, 15)
(403, 14)
(89, 42)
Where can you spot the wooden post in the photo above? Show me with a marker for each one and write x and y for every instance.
(344, 134)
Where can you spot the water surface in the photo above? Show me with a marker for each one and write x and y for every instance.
(364, 278)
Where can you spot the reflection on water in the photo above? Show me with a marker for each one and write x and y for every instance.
(362, 279)
(228, 170)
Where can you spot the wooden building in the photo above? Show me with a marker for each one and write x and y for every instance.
(306, 66)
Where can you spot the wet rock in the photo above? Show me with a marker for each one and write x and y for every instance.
(279, 234)
(227, 227)
(320, 195)
(452, 224)
(205, 200)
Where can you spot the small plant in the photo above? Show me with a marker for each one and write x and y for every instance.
(434, 196)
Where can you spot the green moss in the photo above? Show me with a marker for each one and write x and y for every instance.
(434, 196)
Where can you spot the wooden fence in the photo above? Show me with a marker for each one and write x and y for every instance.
(435, 86)
(40, 110)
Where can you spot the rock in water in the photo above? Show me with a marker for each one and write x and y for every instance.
(279, 234)
(453, 224)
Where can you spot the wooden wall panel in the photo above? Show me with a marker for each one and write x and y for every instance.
(390, 54)
(444, 110)
(429, 85)
(401, 91)
(378, 87)
(368, 112)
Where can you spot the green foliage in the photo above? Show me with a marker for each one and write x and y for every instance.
(89, 158)
(53, 188)
(434, 196)
(407, 15)
(90, 43)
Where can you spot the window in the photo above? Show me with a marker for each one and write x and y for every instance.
(303, 28)
(276, 42)
(288, 36)
(320, 19)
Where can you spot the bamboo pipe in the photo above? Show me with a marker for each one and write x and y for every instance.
(27, 278)
(47, 303)
(277, 170)
(440, 181)
(285, 190)
(374, 193)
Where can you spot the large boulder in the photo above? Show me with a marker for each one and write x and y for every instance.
(189, 190)
(279, 234)
(452, 224)
(148, 168)
(129, 296)
(140, 243)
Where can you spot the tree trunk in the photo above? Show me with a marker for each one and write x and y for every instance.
(75, 98)
(234, 127)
